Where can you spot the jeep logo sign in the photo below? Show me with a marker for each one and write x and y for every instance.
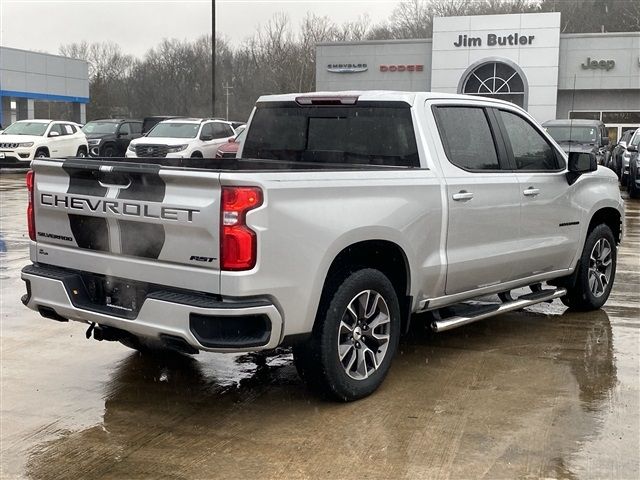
(598, 64)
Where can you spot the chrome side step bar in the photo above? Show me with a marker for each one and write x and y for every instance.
(449, 323)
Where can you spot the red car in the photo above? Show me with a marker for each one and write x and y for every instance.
(229, 149)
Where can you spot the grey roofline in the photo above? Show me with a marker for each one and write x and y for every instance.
(43, 53)
(376, 42)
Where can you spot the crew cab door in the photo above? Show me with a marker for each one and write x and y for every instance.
(482, 197)
(549, 223)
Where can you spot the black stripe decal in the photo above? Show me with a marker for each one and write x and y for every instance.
(137, 238)
(567, 224)
(90, 233)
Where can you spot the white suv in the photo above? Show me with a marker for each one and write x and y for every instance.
(24, 140)
(182, 138)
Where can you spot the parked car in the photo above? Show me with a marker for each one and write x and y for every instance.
(581, 136)
(230, 149)
(111, 137)
(351, 212)
(182, 138)
(633, 175)
(149, 122)
(24, 140)
(620, 156)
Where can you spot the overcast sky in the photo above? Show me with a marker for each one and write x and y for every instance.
(139, 25)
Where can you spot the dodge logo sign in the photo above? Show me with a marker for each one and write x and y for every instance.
(347, 67)
(401, 68)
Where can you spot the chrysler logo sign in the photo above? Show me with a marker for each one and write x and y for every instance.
(347, 67)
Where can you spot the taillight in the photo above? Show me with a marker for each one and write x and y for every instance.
(31, 216)
(238, 245)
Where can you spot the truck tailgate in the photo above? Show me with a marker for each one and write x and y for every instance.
(98, 216)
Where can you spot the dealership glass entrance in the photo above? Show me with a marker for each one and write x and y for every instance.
(496, 80)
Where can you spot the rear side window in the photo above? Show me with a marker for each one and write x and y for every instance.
(531, 151)
(221, 130)
(69, 129)
(467, 138)
(364, 135)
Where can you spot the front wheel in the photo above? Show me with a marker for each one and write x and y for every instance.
(354, 339)
(596, 271)
(82, 152)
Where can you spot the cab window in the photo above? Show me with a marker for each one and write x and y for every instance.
(531, 151)
(467, 137)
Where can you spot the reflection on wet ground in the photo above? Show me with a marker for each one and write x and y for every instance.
(538, 393)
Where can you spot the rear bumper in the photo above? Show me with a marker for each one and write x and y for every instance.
(203, 323)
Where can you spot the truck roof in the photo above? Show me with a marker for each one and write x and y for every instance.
(380, 96)
(565, 122)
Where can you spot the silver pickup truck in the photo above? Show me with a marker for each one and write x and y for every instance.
(347, 213)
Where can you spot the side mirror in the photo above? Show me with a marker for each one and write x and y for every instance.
(605, 141)
(632, 148)
(580, 163)
(122, 134)
(54, 134)
(206, 138)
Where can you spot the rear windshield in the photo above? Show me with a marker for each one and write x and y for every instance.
(377, 135)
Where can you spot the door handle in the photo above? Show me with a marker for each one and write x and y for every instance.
(462, 195)
(531, 192)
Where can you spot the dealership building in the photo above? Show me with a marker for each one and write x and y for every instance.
(521, 58)
(39, 85)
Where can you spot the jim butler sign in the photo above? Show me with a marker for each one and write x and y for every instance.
(494, 40)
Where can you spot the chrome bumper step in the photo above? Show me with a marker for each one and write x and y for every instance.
(485, 311)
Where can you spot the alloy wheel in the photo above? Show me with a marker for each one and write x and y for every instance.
(600, 266)
(364, 334)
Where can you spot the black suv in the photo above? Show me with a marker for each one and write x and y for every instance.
(588, 136)
(111, 137)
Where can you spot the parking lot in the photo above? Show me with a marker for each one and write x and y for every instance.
(536, 393)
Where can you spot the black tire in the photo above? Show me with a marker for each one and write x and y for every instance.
(41, 153)
(581, 296)
(82, 152)
(108, 151)
(196, 155)
(318, 360)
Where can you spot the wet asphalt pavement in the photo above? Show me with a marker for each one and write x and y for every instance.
(537, 393)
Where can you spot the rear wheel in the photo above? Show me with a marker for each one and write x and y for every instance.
(354, 339)
(596, 271)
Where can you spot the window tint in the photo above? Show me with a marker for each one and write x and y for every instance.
(124, 128)
(531, 151)
(69, 129)
(57, 127)
(363, 135)
(207, 129)
(467, 138)
(136, 127)
(221, 130)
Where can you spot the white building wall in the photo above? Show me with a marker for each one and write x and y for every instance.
(538, 59)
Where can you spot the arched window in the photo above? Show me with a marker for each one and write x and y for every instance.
(496, 80)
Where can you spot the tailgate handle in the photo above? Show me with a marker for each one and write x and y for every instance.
(114, 180)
